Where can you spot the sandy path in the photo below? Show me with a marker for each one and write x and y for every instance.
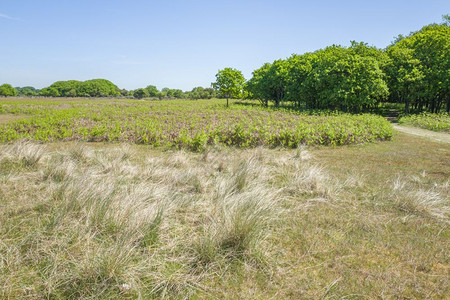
(437, 136)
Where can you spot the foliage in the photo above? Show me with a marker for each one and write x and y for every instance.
(333, 78)
(88, 88)
(201, 93)
(152, 90)
(229, 83)
(435, 122)
(269, 82)
(422, 63)
(27, 91)
(413, 70)
(49, 92)
(7, 90)
(140, 93)
(178, 124)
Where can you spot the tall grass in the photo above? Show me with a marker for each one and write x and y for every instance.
(128, 222)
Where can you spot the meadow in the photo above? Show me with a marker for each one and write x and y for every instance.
(85, 216)
(183, 124)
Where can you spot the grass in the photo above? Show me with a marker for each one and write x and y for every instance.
(436, 122)
(93, 220)
(183, 124)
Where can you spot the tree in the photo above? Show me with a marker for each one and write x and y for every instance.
(27, 91)
(49, 92)
(140, 93)
(343, 79)
(404, 76)
(7, 90)
(256, 86)
(152, 90)
(97, 88)
(229, 83)
(427, 50)
(88, 88)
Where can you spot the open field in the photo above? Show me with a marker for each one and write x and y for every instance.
(183, 124)
(125, 221)
(130, 220)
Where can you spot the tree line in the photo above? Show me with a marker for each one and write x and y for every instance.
(104, 88)
(413, 70)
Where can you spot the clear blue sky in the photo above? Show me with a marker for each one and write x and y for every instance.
(182, 44)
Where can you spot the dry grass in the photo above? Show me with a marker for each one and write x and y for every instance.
(80, 221)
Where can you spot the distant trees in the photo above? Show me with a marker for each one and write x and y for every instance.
(201, 93)
(140, 93)
(413, 70)
(7, 90)
(50, 92)
(229, 83)
(88, 88)
(152, 91)
(27, 91)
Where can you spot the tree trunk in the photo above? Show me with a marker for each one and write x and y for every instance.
(227, 102)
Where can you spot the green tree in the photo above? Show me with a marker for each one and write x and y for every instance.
(430, 46)
(256, 86)
(7, 90)
(140, 93)
(342, 79)
(229, 83)
(405, 76)
(152, 91)
(97, 88)
(27, 91)
(49, 92)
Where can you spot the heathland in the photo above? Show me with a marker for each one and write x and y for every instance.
(110, 198)
(306, 194)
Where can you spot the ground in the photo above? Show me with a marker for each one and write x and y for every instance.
(437, 136)
(360, 221)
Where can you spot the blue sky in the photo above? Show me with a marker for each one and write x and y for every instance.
(182, 44)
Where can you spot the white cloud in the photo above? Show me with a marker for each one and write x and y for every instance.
(8, 17)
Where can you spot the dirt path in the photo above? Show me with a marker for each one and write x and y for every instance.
(437, 136)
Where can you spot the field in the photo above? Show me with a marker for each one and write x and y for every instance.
(253, 221)
(183, 124)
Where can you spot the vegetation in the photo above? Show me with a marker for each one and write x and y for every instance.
(95, 221)
(229, 83)
(179, 124)
(7, 90)
(413, 70)
(420, 75)
(435, 122)
(88, 88)
(27, 91)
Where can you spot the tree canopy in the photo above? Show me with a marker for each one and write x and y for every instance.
(88, 88)
(7, 90)
(229, 83)
(414, 70)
